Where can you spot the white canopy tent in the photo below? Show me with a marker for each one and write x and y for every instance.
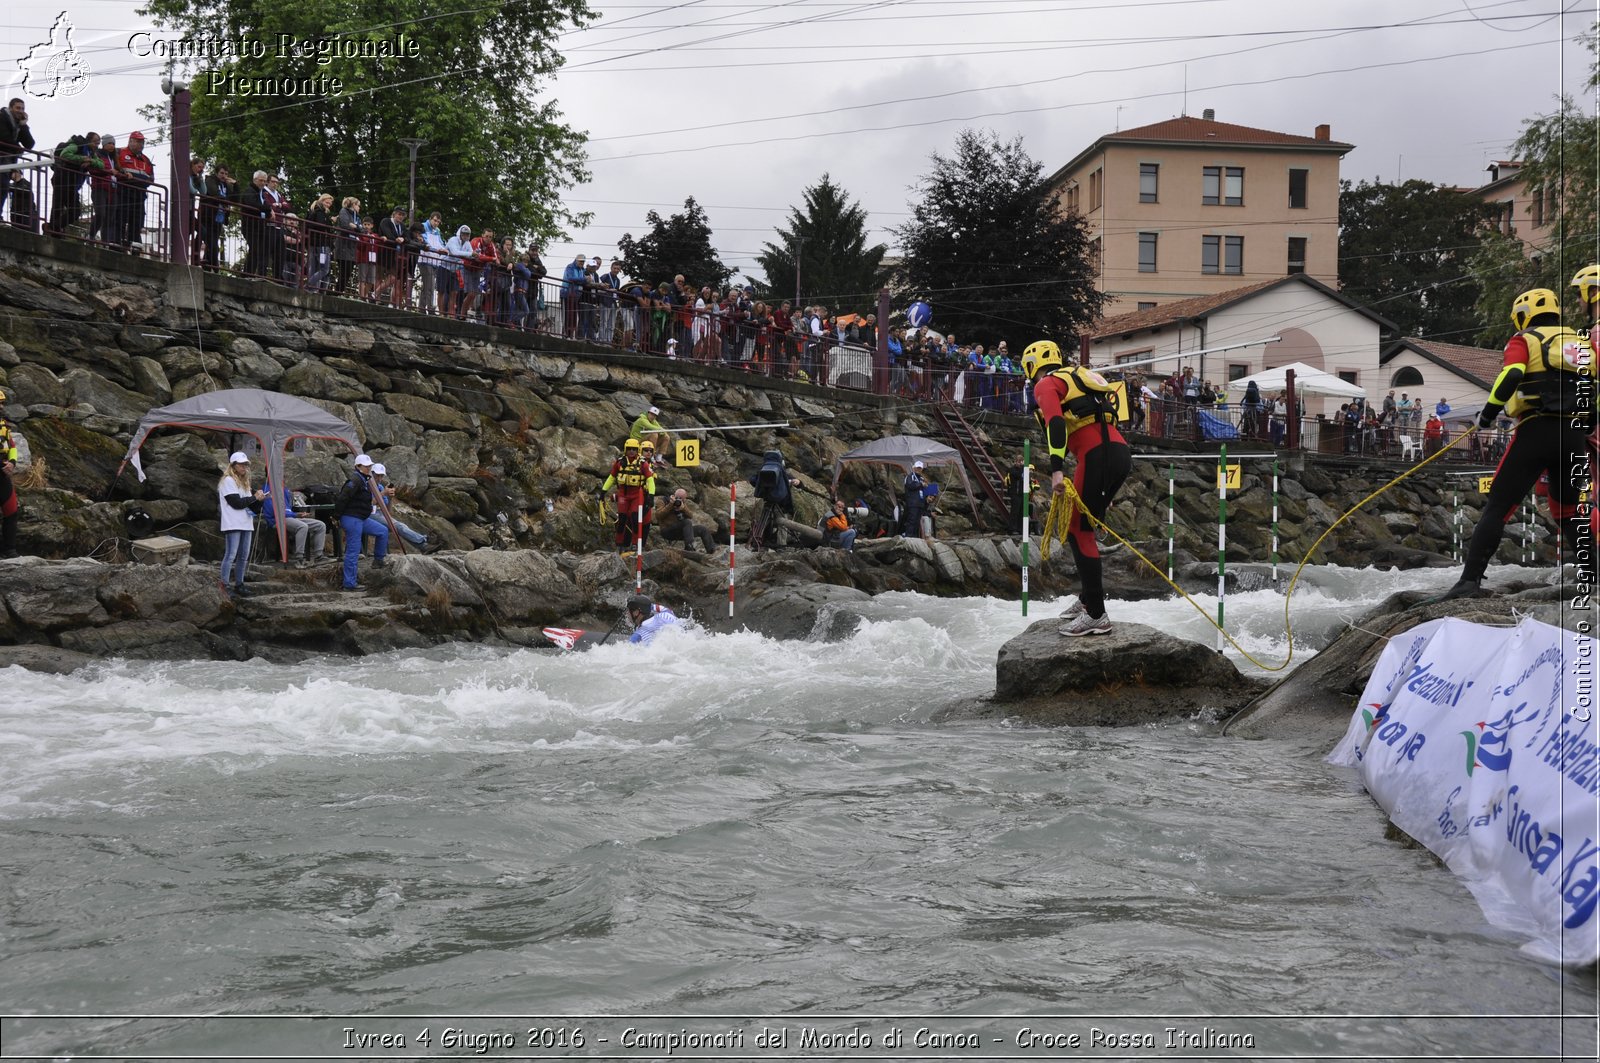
(1307, 380)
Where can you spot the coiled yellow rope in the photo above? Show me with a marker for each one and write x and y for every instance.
(1068, 500)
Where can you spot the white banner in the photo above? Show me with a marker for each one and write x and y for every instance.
(1481, 744)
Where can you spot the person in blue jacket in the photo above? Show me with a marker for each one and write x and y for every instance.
(648, 619)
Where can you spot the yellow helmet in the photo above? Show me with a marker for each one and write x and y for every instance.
(647, 445)
(1039, 354)
(1587, 281)
(1530, 304)
(632, 444)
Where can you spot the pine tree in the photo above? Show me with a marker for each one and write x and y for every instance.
(986, 246)
(837, 268)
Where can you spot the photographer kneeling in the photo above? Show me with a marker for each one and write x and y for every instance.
(675, 521)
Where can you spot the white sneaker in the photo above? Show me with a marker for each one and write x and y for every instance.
(1073, 611)
(1084, 624)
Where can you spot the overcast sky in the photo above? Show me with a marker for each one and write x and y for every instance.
(742, 105)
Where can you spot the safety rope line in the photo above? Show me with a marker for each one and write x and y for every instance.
(1067, 501)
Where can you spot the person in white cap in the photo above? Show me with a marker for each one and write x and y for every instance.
(914, 505)
(647, 428)
(353, 510)
(238, 505)
(386, 498)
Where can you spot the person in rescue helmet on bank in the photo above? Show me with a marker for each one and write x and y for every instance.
(635, 484)
(1587, 281)
(1547, 385)
(1077, 409)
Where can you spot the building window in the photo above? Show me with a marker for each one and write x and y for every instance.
(1222, 186)
(1147, 306)
(1297, 188)
(1222, 254)
(1237, 371)
(1147, 252)
(1297, 254)
(1149, 176)
(1349, 376)
(1094, 190)
(1134, 356)
(1233, 254)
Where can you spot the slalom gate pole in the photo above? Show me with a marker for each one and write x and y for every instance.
(1222, 535)
(1455, 530)
(1527, 532)
(1027, 448)
(733, 538)
(638, 551)
(1172, 525)
(1274, 523)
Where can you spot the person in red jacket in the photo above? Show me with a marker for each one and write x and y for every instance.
(635, 484)
(1077, 408)
(135, 173)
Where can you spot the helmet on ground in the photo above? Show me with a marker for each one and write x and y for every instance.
(1587, 281)
(641, 603)
(1531, 304)
(632, 444)
(1039, 354)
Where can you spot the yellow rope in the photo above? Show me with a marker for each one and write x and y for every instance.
(1059, 519)
(1287, 626)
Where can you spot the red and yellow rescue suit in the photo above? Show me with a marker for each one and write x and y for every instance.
(1547, 384)
(1077, 409)
(635, 483)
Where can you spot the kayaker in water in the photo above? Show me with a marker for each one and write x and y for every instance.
(648, 618)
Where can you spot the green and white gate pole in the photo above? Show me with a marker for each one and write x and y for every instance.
(1222, 535)
(1172, 523)
(1274, 523)
(1455, 529)
(1027, 447)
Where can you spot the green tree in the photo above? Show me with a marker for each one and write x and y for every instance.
(1560, 156)
(467, 83)
(986, 246)
(836, 265)
(1404, 250)
(678, 243)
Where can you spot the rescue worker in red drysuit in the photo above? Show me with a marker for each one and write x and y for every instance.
(1548, 386)
(1587, 281)
(1077, 409)
(635, 484)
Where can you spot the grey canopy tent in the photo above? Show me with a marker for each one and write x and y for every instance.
(272, 419)
(902, 452)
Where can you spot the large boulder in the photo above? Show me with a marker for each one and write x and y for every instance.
(190, 595)
(523, 586)
(48, 596)
(1134, 675)
(427, 413)
(817, 611)
(108, 399)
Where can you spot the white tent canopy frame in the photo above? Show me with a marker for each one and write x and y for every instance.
(904, 451)
(1307, 379)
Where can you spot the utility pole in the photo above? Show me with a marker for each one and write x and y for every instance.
(412, 144)
(181, 212)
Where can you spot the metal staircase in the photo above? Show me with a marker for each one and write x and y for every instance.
(975, 456)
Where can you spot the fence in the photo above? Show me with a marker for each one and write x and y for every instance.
(42, 197)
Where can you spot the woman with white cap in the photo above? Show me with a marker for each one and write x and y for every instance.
(238, 505)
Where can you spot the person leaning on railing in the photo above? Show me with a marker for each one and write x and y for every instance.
(319, 242)
(347, 226)
(438, 274)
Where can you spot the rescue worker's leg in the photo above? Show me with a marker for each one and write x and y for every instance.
(1519, 469)
(1100, 473)
(1570, 477)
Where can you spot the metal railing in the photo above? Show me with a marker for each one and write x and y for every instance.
(43, 196)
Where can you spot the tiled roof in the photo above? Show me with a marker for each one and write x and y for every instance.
(1182, 310)
(1205, 131)
(1478, 364)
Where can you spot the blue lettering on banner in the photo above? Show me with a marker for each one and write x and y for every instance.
(1449, 827)
(1574, 754)
(1579, 883)
(1436, 690)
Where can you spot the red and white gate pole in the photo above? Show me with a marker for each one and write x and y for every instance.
(638, 551)
(733, 539)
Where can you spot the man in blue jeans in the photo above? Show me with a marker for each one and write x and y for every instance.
(353, 508)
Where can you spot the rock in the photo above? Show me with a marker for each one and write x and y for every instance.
(50, 595)
(46, 659)
(547, 367)
(116, 366)
(22, 292)
(311, 377)
(427, 413)
(364, 636)
(180, 362)
(151, 380)
(419, 576)
(32, 384)
(449, 503)
(191, 595)
(128, 304)
(252, 366)
(448, 454)
(523, 586)
(566, 449)
(380, 428)
(816, 611)
(945, 559)
(1134, 675)
(341, 339)
(108, 399)
(135, 638)
(586, 373)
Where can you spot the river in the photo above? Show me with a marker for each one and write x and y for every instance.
(722, 833)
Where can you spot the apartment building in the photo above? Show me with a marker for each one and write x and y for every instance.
(1193, 206)
(1518, 211)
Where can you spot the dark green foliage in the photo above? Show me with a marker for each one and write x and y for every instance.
(679, 243)
(987, 248)
(837, 268)
(496, 155)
